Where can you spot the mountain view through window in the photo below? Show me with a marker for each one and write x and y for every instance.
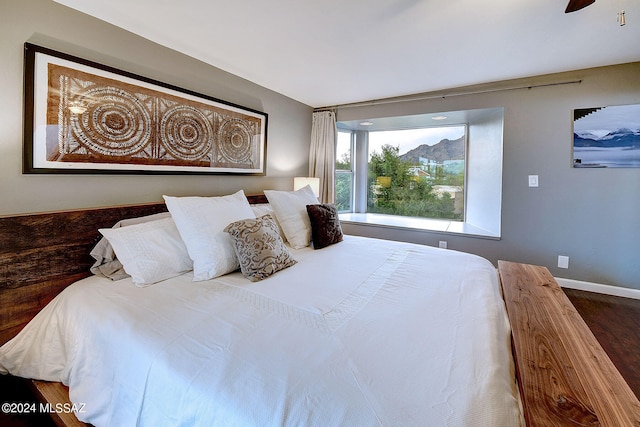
(411, 172)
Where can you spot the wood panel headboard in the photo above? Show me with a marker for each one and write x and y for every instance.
(43, 253)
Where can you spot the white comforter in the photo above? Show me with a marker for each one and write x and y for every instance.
(361, 333)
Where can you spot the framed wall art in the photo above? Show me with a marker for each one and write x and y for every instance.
(84, 117)
(607, 137)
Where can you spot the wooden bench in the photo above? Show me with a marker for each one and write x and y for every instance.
(564, 375)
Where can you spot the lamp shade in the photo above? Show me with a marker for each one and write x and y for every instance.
(300, 182)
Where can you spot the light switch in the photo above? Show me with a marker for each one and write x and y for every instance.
(533, 180)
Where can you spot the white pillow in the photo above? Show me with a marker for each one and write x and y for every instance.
(201, 221)
(150, 251)
(290, 208)
(107, 264)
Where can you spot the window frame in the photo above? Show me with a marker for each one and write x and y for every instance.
(350, 172)
(483, 192)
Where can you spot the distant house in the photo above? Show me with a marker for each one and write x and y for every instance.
(419, 172)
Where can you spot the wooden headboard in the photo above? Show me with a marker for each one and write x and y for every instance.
(43, 253)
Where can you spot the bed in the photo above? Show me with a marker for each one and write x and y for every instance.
(360, 332)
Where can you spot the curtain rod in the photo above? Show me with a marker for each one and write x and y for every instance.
(411, 98)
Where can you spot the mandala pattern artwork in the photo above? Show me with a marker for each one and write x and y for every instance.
(93, 119)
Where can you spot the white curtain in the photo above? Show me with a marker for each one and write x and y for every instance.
(322, 153)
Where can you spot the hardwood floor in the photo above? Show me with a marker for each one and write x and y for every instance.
(615, 322)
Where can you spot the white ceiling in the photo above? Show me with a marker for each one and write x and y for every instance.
(330, 52)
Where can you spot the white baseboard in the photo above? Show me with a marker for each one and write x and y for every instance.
(599, 288)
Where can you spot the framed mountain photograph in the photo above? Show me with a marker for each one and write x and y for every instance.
(607, 137)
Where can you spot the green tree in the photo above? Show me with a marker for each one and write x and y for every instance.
(395, 190)
(343, 192)
(345, 162)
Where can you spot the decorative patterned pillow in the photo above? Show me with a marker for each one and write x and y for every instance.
(265, 208)
(325, 225)
(259, 247)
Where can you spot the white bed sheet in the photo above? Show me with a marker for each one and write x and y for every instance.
(365, 332)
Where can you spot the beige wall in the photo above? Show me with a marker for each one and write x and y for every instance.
(51, 25)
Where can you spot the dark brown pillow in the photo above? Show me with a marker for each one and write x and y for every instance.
(325, 225)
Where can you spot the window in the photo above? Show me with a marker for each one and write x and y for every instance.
(417, 172)
(344, 171)
(435, 172)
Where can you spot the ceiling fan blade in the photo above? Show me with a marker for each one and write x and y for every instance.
(577, 5)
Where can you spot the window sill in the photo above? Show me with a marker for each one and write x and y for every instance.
(413, 223)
